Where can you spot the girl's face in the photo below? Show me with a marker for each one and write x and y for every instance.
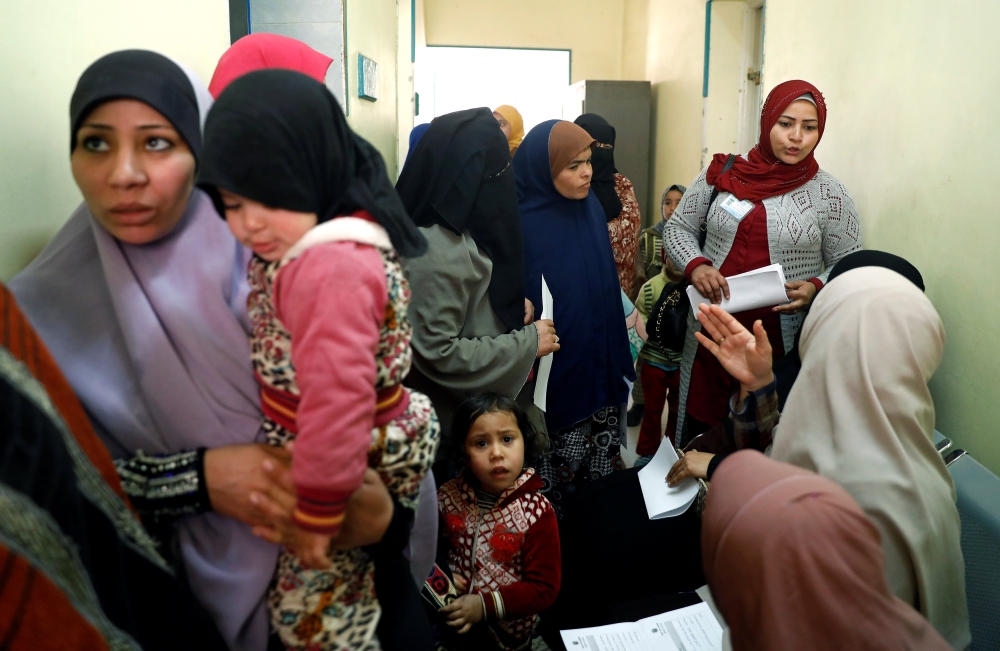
(494, 447)
(670, 203)
(269, 232)
(574, 181)
(504, 124)
(134, 170)
(796, 132)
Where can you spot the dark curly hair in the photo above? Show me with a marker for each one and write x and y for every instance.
(489, 403)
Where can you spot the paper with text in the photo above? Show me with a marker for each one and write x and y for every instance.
(545, 365)
(661, 500)
(687, 629)
(762, 287)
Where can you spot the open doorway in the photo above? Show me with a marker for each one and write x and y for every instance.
(450, 79)
(752, 61)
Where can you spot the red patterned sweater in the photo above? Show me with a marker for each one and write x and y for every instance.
(516, 549)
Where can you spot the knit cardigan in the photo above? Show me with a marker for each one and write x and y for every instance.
(808, 231)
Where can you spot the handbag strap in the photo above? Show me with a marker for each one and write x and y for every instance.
(703, 229)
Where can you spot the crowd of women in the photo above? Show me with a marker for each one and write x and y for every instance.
(255, 397)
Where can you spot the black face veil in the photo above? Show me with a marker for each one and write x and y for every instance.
(459, 176)
(603, 159)
(280, 138)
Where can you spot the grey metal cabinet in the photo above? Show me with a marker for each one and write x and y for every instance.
(626, 106)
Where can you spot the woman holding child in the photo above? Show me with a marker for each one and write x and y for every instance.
(787, 211)
(141, 299)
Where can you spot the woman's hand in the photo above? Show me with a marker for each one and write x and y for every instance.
(692, 464)
(529, 312)
(464, 612)
(710, 283)
(745, 356)
(234, 472)
(369, 513)
(548, 342)
(800, 293)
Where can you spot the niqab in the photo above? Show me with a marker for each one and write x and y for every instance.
(603, 182)
(459, 176)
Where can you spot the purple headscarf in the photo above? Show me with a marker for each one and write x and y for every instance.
(154, 340)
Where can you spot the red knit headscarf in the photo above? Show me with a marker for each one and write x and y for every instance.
(264, 51)
(761, 175)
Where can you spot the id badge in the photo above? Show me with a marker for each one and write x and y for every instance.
(736, 207)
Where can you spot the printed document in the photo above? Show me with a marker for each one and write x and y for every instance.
(762, 287)
(661, 500)
(687, 629)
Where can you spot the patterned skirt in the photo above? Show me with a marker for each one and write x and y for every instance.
(337, 609)
(581, 453)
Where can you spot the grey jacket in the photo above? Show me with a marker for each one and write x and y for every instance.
(460, 346)
(808, 230)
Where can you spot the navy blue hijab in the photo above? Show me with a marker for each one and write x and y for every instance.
(567, 241)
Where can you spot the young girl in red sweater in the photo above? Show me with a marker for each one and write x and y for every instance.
(499, 533)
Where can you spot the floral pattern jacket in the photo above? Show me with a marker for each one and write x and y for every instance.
(509, 555)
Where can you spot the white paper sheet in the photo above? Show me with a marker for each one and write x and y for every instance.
(687, 629)
(545, 365)
(694, 628)
(762, 287)
(661, 500)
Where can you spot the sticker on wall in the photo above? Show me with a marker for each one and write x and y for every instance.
(367, 78)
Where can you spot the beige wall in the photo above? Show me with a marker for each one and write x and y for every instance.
(371, 30)
(592, 29)
(913, 89)
(45, 47)
(674, 64)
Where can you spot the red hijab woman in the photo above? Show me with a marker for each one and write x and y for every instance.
(775, 205)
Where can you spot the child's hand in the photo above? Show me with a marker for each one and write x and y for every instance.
(461, 584)
(464, 612)
(310, 548)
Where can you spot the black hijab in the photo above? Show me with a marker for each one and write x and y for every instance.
(603, 183)
(786, 369)
(280, 138)
(459, 176)
(141, 75)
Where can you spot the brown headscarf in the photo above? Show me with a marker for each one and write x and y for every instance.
(566, 140)
(793, 563)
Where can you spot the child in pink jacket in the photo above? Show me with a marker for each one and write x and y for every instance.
(330, 338)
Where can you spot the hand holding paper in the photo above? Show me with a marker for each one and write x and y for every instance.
(762, 287)
(663, 501)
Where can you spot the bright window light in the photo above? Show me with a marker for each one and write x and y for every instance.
(455, 78)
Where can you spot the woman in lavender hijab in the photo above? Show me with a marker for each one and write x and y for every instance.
(141, 298)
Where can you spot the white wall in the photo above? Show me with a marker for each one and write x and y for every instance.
(45, 47)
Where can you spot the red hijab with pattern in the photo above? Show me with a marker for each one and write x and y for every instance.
(263, 51)
(761, 174)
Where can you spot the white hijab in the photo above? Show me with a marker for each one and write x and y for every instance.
(861, 414)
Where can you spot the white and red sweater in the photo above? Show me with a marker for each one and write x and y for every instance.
(515, 547)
